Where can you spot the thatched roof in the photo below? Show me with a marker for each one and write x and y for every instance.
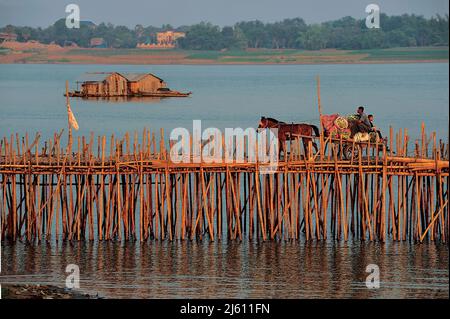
(95, 76)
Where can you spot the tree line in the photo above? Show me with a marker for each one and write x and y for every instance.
(345, 33)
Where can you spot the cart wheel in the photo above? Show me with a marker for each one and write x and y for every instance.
(348, 150)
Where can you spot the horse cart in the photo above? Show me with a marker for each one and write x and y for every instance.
(350, 145)
(337, 130)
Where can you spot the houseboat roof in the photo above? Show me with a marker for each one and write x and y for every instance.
(134, 77)
(95, 76)
(101, 76)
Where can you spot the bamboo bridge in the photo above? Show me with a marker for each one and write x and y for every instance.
(100, 188)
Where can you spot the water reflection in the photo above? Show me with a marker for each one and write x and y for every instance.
(234, 270)
(121, 99)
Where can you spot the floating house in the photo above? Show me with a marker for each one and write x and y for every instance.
(104, 84)
(142, 83)
(114, 84)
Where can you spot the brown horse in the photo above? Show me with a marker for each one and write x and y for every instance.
(291, 131)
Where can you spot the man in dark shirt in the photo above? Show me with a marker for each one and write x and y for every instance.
(374, 128)
(363, 118)
(363, 124)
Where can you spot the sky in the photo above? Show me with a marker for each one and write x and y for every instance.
(221, 12)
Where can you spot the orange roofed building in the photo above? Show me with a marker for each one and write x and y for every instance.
(165, 40)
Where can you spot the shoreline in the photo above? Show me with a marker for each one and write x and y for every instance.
(245, 57)
(237, 63)
(36, 291)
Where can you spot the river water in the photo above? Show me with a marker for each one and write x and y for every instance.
(401, 95)
(235, 270)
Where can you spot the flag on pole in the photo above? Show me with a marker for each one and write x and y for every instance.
(72, 120)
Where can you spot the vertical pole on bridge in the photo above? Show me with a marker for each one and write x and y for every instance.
(68, 114)
(319, 105)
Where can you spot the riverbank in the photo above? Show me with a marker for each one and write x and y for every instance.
(258, 56)
(41, 292)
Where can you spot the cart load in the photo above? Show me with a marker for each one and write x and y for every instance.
(338, 127)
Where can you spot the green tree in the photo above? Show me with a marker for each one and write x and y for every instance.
(344, 33)
(314, 38)
(202, 36)
(255, 33)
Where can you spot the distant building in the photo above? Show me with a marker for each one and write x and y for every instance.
(165, 40)
(98, 43)
(5, 36)
(169, 38)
